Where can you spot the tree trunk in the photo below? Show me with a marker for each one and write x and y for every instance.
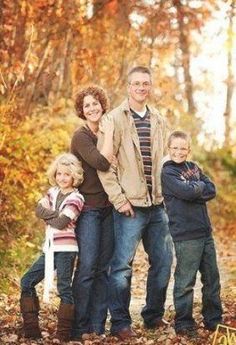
(30, 93)
(64, 82)
(184, 47)
(20, 43)
(230, 79)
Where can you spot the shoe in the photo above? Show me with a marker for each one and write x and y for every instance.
(124, 333)
(76, 338)
(79, 336)
(190, 333)
(211, 327)
(161, 323)
(65, 317)
(29, 307)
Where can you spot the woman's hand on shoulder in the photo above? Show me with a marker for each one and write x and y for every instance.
(107, 125)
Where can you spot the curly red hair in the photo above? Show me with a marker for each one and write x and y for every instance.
(97, 92)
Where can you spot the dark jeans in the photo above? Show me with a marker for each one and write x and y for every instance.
(95, 235)
(63, 263)
(151, 225)
(193, 256)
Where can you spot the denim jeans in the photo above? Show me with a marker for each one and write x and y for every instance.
(151, 225)
(63, 263)
(193, 256)
(95, 235)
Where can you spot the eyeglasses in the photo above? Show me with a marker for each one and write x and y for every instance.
(137, 84)
(181, 149)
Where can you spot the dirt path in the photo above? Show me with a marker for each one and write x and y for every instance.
(11, 322)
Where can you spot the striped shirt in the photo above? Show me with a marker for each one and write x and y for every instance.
(60, 240)
(143, 127)
(71, 206)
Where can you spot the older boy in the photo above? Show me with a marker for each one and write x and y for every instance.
(186, 190)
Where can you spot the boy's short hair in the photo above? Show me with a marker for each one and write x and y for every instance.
(69, 160)
(140, 69)
(95, 91)
(179, 134)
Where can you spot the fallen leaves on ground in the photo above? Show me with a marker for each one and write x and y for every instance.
(11, 322)
(11, 327)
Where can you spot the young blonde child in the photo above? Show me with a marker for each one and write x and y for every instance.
(59, 209)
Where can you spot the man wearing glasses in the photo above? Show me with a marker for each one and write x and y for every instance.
(134, 188)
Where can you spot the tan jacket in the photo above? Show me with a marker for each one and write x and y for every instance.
(127, 181)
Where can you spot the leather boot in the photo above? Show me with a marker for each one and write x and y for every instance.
(29, 307)
(65, 317)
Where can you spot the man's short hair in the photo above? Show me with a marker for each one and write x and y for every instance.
(140, 69)
(179, 134)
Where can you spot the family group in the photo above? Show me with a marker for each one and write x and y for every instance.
(115, 188)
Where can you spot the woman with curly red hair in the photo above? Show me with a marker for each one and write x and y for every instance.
(94, 229)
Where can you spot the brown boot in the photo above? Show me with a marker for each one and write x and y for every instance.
(29, 307)
(65, 317)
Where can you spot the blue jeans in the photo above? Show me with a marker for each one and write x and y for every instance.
(63, 263)
(193, 256)
(95, 236)
(151, 225)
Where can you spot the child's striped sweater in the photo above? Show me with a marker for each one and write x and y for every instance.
(60, 240)
(64, 240)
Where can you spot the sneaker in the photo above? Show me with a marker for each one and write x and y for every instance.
(161, 323)
(190, 333)
(211, 327)
(124, 333)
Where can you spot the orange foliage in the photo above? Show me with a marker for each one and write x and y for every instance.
(112, 7)
(48, 49)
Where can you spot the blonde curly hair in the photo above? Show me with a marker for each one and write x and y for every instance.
(69, 160)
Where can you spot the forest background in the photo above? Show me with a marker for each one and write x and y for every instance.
(51, 48)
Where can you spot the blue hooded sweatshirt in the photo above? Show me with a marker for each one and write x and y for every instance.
(186, 190)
